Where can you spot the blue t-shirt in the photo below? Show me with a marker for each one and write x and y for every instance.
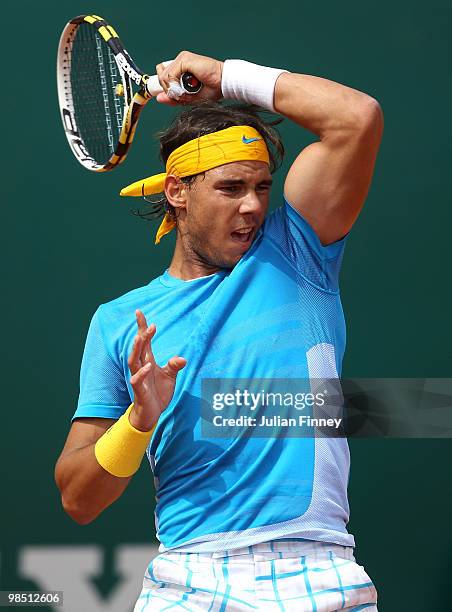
(276, 315)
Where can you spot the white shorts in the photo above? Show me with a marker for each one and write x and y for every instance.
(280, 576)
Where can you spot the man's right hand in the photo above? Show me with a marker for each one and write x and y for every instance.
(153, 386)
(205, 69)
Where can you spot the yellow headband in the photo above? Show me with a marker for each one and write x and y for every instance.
(237, 143)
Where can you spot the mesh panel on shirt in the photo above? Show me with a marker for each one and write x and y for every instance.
(295, 237)
(107, 387)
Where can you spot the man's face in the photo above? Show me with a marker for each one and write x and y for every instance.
(224, 210)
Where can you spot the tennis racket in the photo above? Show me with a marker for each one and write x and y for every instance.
(96, 78)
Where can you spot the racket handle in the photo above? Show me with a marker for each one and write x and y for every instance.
(153, 86)
(188, 84)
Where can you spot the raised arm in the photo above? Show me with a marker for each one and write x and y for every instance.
(329, 180)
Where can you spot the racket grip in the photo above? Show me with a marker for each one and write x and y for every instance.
(188, 84)
(153, 86)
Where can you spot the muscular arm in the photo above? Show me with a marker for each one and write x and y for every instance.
(86, 488)
(329, 180)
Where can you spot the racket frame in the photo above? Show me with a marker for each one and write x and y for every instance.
(133, 103)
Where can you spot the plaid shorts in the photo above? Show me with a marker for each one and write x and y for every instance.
(280, 576)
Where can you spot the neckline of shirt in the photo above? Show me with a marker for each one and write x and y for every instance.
(171, 281)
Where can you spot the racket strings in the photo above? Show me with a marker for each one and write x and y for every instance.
(94, 79)
(119, 108)
(104, 87)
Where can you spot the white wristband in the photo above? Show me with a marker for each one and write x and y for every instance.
(249, 82)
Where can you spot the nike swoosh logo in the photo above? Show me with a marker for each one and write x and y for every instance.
(246, 140)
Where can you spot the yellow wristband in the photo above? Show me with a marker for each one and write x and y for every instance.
(120, 450)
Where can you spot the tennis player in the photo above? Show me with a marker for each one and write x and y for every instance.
(244, 522)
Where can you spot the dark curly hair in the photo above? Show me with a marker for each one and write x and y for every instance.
(203, 119)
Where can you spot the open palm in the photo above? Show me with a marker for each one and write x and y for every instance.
(153, 386)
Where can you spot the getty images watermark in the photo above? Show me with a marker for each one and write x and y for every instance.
(327, 407)
(255, 401)
(270, 408)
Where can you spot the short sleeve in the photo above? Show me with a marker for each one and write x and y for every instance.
(103, 389)
(319, 264)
